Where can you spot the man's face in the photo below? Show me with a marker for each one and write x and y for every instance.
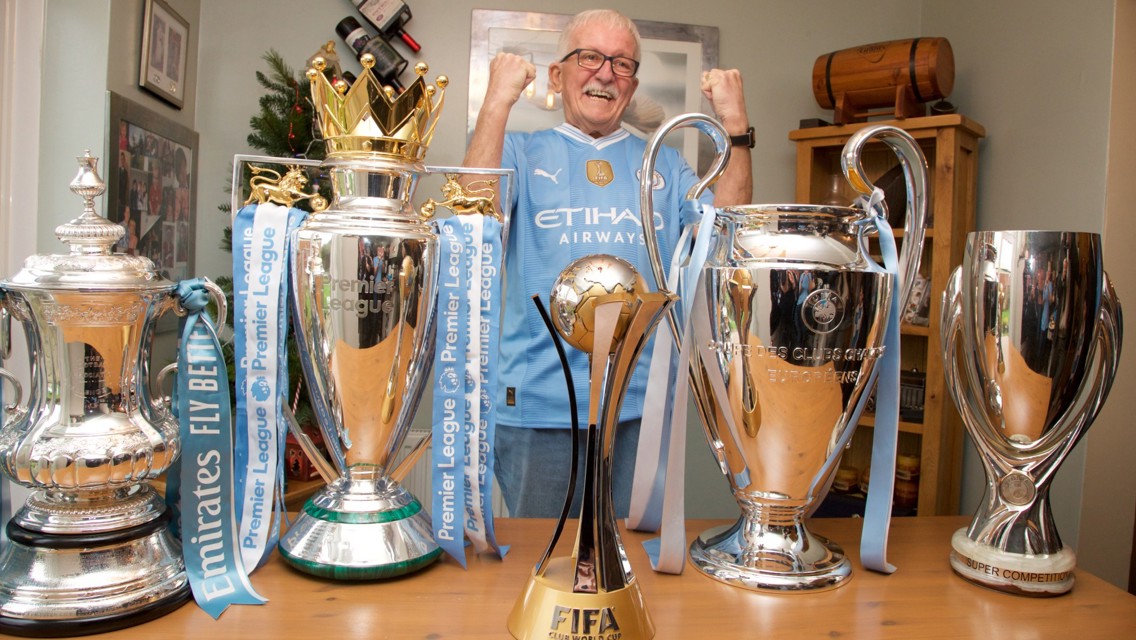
(594, 100)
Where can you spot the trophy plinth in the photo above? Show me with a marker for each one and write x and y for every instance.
(600, 305)
(1031, 340)
(549, 605)
(361, 530)
(762, 556)
(91, 550)
(1049, 574)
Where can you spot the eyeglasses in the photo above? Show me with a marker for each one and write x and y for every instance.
(592, 60)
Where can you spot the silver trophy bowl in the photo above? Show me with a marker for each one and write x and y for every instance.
(1032, 332)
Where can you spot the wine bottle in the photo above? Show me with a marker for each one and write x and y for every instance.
(389, 17)
(388, 62)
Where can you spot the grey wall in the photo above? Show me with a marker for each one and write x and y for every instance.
(1036, 74)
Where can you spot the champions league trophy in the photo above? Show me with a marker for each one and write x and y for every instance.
(600, 305)
(91, 550)
(789, 321)
(1031, 339)
(363, 288)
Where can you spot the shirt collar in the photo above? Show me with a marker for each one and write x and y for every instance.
(573, 133)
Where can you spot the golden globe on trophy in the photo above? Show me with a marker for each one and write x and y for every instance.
(1031, 340)
(600, 305)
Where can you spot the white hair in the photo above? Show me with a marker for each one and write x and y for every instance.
(606, 17)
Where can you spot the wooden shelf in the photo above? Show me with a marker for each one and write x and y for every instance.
(950, 144)
(869, 420)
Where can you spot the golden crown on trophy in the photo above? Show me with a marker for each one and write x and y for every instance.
(368, 119)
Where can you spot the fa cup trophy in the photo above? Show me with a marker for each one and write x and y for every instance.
(600, 305)
(1032, 333)
(788, 320)
(363, 288)
(91, 550)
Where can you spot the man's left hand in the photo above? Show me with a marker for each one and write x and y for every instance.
(723, 88)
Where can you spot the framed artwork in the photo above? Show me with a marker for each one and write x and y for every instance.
(151, 185)
(165, 44)
(673, 59)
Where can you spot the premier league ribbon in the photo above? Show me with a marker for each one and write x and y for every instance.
(465, 366)
(260, 320)
(200, 492)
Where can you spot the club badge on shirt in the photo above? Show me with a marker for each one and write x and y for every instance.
(600, 172)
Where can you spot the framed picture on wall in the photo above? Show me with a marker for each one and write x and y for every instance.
(165, 44)
(151, 179)
(673, 58)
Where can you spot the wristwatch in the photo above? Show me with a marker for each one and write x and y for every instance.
(744, 140)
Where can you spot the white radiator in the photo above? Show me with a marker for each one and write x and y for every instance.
(419, 482)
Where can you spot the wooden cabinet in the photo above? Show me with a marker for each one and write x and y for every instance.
(950, 144)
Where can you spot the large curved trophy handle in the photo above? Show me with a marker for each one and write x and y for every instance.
(915, 175)
(721, 140)
(717, 134)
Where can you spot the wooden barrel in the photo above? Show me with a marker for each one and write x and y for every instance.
(868, 76)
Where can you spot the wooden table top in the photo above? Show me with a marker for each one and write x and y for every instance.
(923, 599)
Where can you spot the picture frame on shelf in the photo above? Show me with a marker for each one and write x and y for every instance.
(165, 47)
(151, 181)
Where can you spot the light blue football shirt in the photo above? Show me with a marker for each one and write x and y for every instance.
(575, 196)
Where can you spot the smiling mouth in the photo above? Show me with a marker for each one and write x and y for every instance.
(600, 93)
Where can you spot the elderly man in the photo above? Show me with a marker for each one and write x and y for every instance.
(578, 194)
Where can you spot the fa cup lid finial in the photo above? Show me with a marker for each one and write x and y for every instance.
(90, 233)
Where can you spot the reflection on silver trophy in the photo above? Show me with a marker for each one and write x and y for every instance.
(1032, 333)
(91, 550)
(600, 305)
(363, 283)
(789, 322)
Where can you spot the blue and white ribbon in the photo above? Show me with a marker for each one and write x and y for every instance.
(261, 236)
(663, 409)
(657, 495)
(447, 473)
(877, 513)
(200, 491)
(465, 366)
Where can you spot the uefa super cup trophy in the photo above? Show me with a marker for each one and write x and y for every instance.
(788, 320)
(600, 305)
(1032, 333)
(91, 550)
(363, 288)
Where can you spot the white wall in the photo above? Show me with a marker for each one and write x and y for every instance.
(1036, 74)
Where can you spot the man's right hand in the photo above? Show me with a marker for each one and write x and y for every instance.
(509, 74)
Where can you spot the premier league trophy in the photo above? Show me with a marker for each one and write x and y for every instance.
(789, 320)
(363, 288)
(600, 305)
(91, 550)
(1032, 333)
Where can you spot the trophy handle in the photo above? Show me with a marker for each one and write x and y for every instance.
(915, 175)
(721, 140)
(219, 300)
(15, 410)
(717, 134)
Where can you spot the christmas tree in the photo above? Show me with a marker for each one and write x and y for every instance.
(283, 128)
